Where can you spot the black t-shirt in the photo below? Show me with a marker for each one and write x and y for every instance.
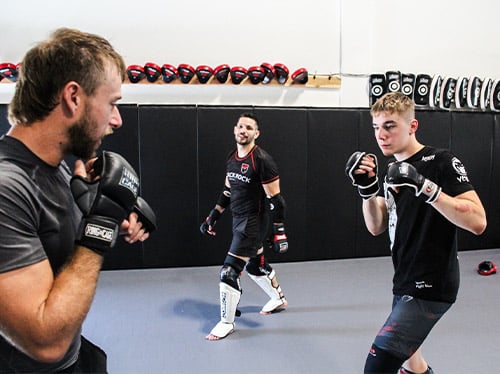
(246, 176)
(423, 244)
(38, 220)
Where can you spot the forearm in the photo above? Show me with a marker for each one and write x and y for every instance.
(224, 198)
(60, 313)
(464, 211)
(74, 288)
(375, 215)
(219, 208)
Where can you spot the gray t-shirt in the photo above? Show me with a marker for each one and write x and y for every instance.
(38, 220)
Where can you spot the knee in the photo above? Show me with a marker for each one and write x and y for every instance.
(231, 270)
(258, 266)
(381, 361)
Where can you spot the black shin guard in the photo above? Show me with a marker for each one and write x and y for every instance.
(380, 362)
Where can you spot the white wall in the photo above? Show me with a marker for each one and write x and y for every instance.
(352, 38)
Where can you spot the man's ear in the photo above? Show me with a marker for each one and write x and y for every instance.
(71, 98)
(257, 133)
(413, 126)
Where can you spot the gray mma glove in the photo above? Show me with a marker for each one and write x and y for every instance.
(367, 186)
(105, 202)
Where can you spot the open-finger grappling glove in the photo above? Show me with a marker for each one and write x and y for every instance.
(107, 201)
(367, 186)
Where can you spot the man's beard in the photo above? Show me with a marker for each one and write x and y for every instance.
(243, 141)
(81, 144)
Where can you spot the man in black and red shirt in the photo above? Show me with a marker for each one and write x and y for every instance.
(252, 190)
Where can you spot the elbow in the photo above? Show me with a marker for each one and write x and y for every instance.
(480, 227)
(48, 352)
(375, 231)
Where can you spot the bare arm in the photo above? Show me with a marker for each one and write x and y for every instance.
(465, 211)
(272, 189)
(40, 314)
(375, 215)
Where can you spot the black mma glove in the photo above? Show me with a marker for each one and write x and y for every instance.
(105, 202)
(404, 174)
(278, 241)
(207, 227)
(146, 215)
(367, 186)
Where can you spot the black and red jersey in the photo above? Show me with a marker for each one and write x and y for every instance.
(246, 176)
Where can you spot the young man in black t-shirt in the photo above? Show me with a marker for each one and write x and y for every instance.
(427, 195)
(252, 191)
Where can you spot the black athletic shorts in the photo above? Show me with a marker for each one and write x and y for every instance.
(409, 323)
(249, 234)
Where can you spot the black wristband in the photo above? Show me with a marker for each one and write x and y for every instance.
(224, 198)
(277, 207)
(97, 233)
(369, 191)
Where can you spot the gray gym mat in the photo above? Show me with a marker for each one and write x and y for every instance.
(155, 321)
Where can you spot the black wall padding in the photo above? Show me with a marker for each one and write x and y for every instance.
(472, 139)
(125, 142)
(180, 153)
(168, 148)
(332, 204)
(492, 202)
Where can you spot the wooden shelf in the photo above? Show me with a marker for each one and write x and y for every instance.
(314, 81)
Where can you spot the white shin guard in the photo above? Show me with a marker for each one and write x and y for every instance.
(270, 286)
(229, 299)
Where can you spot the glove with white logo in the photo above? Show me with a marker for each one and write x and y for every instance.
(367, 186)
(404, 174)
(279, 241)
(105, 202)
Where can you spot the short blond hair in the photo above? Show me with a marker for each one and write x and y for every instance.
(394, 102)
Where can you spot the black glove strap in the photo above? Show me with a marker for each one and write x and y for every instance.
(369, 191)
(278, 228)
(97, 233)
